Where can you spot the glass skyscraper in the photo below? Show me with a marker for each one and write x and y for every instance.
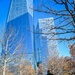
(43, 35)
(20, 17)
(20, 23)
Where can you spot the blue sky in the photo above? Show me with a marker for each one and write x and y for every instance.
(4, 6)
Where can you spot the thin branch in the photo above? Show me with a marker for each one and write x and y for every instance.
(66, 39)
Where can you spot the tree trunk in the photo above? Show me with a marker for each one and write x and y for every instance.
(20, 69)
(4, 67)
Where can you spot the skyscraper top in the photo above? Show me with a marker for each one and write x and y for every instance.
(20, 7)
(44, 22)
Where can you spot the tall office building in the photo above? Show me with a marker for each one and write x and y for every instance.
(20, 17)
(20, 25)
(44, 31)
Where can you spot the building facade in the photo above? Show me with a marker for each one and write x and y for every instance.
(47, 47)
(20, 18)
(19, 27)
